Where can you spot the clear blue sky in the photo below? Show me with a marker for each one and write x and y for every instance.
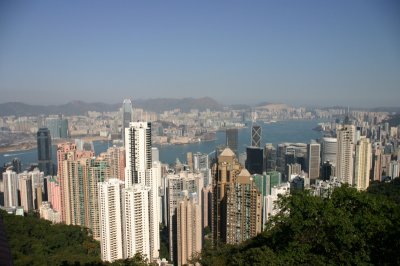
(333, 52)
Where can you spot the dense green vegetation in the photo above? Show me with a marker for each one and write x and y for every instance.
(34, 241)
(349, 228)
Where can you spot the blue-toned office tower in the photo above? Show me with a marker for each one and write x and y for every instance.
(44, 151)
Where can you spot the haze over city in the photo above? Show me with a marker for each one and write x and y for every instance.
(296, 52)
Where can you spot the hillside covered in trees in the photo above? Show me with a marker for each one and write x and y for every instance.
(349, 228)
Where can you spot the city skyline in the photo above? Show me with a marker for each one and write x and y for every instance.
(309, 53)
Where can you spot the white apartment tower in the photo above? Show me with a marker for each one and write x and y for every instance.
(362, 164)
(111, 237)
(144, 175)
(136, 220)
(138, 152)
(344, 158)
(10, 183)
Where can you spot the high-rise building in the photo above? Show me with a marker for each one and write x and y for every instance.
(65, 151)
(224, 172)
(153, 182)
(232, 137)
(293, 168)
(236, 213)
(270, 157)
(274, 178)
(127, 116)
(256, 135)
(44, 151)
(136, 226)
(189, 229)
(115, 157)
(184, 181)
(111, 235)
(138, 152)
(327, 171)
(189, 159)
(145, 175)
(200, 161)
(10, 185)
(314, 160)
(362, 164)
(329, 150)
(255, 160)
(344, 159)
(54, 194)
(25, 190)
(97, 171)
(394, 169)
(243, 209)
(58, 127)
(16, 164)
(378, 164)
(75, 183)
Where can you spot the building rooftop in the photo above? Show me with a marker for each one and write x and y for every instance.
(227, 152)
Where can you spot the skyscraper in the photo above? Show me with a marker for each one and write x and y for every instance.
(378, 164)
(136, 226)
(270, 157)
(314, 160)
(232, 136)
(189, 228)
(97, 171)
(236, 214)
(243, 209)
(177, 183)
(256, 136)
(16, 163)
(127, 113)
(111, 236)
(58, 127)
(25, 188)
(362, 163)
(329, 150)
(255, 160)
(394, 169)
(44, 151)
(144, 175)
(138, 152)
(115, 157)
(344, 159)
(224, 172)
(10, 184)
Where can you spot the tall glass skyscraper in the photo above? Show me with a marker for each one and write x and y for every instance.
(126, 116)
(44, 151)
(232, 136)
(58, 127)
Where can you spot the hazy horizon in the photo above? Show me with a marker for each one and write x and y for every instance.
(301, 53)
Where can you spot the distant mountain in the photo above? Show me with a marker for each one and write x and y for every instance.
(71, 108)
(185, 104)
(80, 107)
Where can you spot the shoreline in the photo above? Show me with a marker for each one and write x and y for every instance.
(26, 146)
